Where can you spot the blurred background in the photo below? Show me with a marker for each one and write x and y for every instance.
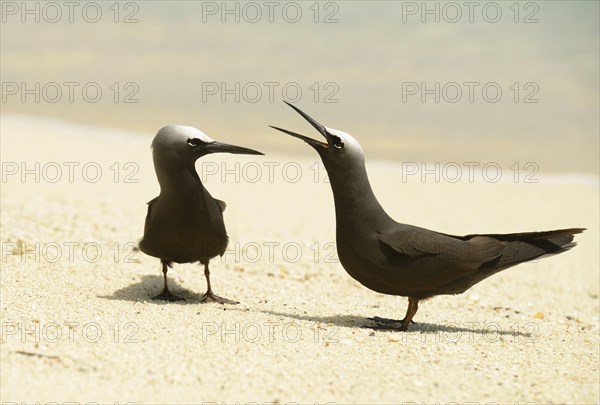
(412, 81)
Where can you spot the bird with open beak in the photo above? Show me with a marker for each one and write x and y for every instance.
(399, 259)
(184, 224)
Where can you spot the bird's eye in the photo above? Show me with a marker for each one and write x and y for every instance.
(337, 142)
(194, 142)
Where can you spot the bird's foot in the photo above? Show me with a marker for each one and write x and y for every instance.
(167, 296)
(388, 324)
(211, 297)
(385, 320)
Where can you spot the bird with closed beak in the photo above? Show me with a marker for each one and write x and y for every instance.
(184, 224)
(399, 259)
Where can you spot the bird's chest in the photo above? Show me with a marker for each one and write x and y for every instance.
(364, 260)
(196, 217)
(185, 230)
(359, 255)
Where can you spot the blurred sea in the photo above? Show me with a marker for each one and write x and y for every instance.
(404, 170)
(371, 70)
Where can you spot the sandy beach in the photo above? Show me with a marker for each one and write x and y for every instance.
(78, 323)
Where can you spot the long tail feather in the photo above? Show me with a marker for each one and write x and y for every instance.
(523, 247)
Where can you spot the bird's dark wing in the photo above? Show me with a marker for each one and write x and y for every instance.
(222, 204)
(472, 252)
(558, 236)
(524, 246)
(148, 214)
(448, 251)
(433, 263)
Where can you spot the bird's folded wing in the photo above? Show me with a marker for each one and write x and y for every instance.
(148, 217)
(465, 255)
(222, 204)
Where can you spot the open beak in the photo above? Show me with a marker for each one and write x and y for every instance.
(312, 142)
(218, 147)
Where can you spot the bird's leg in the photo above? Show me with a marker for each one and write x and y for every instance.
(388, 324)
(413, 306)
(166, 295)
(209, 296)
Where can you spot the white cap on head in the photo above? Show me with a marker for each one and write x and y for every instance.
(171, 136)
(351, 145)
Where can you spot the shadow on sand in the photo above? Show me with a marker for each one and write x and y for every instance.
(150, 286)
(351, 321)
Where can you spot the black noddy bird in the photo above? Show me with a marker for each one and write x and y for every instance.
(398, 259)
(184, 223)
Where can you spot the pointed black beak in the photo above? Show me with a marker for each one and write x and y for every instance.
(218, 147)
(312, 142)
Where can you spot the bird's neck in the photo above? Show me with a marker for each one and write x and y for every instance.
(178, 179)
(355, 202)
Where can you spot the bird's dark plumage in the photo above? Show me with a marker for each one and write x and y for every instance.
(399, 259)
(184, 224)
